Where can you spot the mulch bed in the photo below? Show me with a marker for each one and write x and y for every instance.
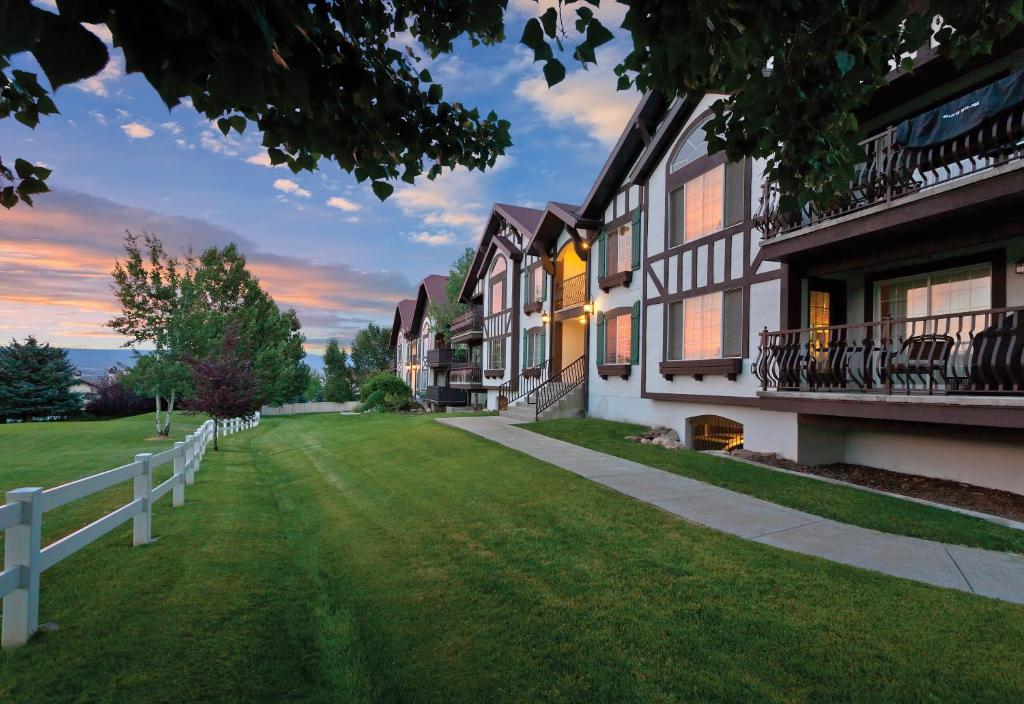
(944, 491)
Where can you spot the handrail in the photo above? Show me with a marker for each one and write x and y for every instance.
(890, 171)
(525, 384)
(971, 352)
(25, 559)
(560, 385)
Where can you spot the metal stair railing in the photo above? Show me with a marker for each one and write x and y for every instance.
(524, 384)
(560, 385)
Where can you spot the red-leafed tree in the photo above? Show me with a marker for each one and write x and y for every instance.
(225, 386)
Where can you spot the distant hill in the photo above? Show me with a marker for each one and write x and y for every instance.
(95, 363)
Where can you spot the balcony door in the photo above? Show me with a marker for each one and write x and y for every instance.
(826, 306)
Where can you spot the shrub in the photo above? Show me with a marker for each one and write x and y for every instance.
(385, 392)
(113, 400)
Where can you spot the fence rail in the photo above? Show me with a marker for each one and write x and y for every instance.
(21, 518)
(289, 409)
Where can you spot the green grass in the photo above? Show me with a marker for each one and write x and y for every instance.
(841, 503)
(391, 559)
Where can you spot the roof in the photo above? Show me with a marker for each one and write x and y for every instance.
(524, 220)
(631, 142)
(433, 289)
(403, 318)
(554, 219)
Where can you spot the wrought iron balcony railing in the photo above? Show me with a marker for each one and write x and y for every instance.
(570, 292)
(465, 374)
(890, 172)
(468, 325)
(445, 395)
(975, 352)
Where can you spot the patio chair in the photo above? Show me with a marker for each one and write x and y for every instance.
(924, 356)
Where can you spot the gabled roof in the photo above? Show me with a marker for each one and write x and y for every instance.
(554, 219)
(403, 319)
(524, 220)
(632, 141)
(433, 289)
(678, 115)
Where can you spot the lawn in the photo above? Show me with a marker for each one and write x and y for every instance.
(841, 503)
(383, 559)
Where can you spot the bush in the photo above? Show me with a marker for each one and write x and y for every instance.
(385, 392)
(113, 400)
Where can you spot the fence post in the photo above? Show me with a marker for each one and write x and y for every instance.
(178, 492)
(142, 485)
(21, 551)
(190, 459)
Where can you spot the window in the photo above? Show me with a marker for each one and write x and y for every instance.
(497, 285)
(537, 284)
(620, 253)
(706, 327)
(496, 354)
(693, 148)
(618, 331)
(702, 204)
(941, 293)
(534, 352)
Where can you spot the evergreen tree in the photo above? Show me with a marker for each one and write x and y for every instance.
(338, 384)
(36, 381)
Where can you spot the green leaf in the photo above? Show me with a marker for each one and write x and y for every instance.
(554, 72)
(22, 168)
(68, 52)
(20, 26)
(276, 156)
(8, 198)
(585, 15)
(598, 34)
(224, 125)
(549, 20)
(434, 93)
(845, 61)
(533, 37)
(382, 189)
(238, 122)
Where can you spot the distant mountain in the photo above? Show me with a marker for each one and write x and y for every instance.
(95, 363)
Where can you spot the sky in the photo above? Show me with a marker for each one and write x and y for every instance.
(319, 242)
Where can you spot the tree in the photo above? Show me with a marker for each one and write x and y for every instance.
(443, 313)
(160, 375)
(225, 386)
(115, 400)
(371, 351)
(796, 72)
(36, 381)
(326, 79)
(314, 388)
(384, 391)
(338, 384)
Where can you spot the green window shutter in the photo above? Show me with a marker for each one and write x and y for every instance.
(675, 209)
(634, 334)
(602, 255)
(734, 171)
(542, 354)
(674, 349)
(635, 231)
(543, 284)
(526, 357)
(732, 323)
(600, 337)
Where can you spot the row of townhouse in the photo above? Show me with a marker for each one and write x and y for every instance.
(886, 331)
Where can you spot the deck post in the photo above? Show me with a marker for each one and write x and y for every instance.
(178, 492)
(142, 486)
(21, 551)
(190, 459)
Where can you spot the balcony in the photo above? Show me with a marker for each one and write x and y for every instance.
(466, 375)
(445, 356)
(570, 292)
(898, 186)
(970, 354)
(444, 396)
(469, 326)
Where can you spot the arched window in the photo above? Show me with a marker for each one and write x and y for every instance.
(496, 284)
(693, 147)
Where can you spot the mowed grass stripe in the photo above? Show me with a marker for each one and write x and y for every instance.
(386, 558)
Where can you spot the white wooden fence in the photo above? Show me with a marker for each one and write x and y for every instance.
(310, 407)
(21, 520)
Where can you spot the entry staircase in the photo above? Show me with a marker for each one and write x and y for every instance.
(560, 396)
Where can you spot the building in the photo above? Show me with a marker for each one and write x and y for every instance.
(886, 329)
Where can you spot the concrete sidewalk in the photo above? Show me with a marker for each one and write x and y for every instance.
(993, 574)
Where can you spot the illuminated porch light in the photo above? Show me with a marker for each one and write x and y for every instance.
(545, 318)
(583, 320)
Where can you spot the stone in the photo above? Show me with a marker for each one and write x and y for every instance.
(667, 442)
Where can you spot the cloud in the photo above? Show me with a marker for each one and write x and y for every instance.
(433, 239)
(213, 140)
(97, 85)
(588, 98)
(99, 117)
(343, 204)
(101, 31)
(135, 130)
(172, 127)
(56, 259)
(261, 158)
(286, 185)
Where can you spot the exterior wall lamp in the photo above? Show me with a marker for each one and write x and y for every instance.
(588, 308)
(545, 318)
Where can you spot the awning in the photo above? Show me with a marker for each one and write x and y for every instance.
(962, 115)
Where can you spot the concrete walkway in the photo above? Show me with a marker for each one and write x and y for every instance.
(993, 574)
